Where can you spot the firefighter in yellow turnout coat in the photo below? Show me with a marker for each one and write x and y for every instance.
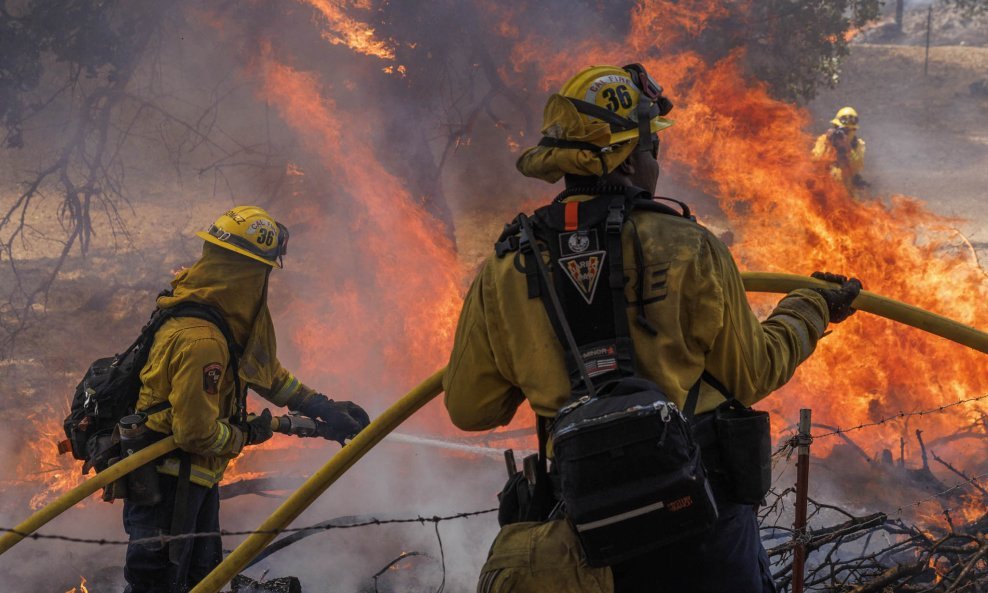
(506, 351)
(842, 150)
(189, 368)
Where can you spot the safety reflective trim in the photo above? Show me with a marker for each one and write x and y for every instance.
(621, 516)
(799, 328)
(288, 389)
(222, 438)
(198, 474)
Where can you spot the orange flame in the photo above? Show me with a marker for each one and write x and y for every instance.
(81, 588)
(346, 30)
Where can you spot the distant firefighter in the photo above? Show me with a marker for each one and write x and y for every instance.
(843, 150)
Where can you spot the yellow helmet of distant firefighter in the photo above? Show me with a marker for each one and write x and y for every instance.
(251, 232)
(847, 117)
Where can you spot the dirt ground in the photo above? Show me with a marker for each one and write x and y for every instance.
(927, 136)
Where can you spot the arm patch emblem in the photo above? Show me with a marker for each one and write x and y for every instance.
(211, 374)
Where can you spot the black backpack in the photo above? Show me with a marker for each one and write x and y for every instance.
(111, 386)
(630, 475)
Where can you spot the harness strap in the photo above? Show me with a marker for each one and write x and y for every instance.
(555, 311)
(692, 398)
(158, 407)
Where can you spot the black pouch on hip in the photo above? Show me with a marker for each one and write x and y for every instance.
(745, 443)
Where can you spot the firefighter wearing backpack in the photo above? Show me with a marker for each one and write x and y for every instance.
(693, 340)
(189, 367)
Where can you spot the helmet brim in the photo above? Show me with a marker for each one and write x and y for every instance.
(658, 124)
(211, 239)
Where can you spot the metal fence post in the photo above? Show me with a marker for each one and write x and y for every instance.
(929, 26)
(803, 440)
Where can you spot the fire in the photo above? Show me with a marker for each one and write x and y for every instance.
(343, 29)
(388, 282)
(410, 268)
(735, 142)
(81, 588)
(49, 473)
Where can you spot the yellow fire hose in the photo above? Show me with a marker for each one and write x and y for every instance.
(80, 492)
(70, 498)
(317, 484)
(320, 481)
(878, 305)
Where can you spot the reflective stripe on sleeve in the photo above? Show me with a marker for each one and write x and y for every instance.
(798, 327)
(289, 388)
(222, 438)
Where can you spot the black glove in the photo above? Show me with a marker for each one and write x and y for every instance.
(838, 299)
(341, 420)
(258, 430)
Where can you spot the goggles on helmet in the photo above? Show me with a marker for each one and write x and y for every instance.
(645, 83)
(848, 120)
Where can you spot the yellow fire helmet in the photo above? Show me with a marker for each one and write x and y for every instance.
(614, 95)
(251, 232)
(847, 117)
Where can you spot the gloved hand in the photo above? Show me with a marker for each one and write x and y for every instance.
(258, 429)
(342, 420)
(838, 299)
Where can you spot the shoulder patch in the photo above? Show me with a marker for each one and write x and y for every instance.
(211, 374)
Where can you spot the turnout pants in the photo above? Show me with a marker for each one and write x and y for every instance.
(730, 559)
(148, 568)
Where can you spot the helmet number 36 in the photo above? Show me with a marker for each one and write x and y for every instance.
(265, 236)
(617, 97)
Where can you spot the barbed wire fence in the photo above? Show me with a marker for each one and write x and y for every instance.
(882, 550)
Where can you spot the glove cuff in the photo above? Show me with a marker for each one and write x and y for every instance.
(305, 402)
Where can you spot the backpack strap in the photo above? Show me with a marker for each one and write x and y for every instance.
(210, 314)
(617, 213)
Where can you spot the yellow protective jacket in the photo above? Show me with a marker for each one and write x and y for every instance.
(505, 350)
(188, 364)
(843, 167)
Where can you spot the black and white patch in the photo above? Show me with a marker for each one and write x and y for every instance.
(578, 242)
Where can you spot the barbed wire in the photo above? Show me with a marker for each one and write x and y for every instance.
(900, 416)
(787, 446)
(961, 484)
(164, 539)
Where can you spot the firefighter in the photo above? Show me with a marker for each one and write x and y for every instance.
(842, 150)
(189, 368)
(690, 320)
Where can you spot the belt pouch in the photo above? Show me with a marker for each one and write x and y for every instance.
(142, 483)
(745, 445)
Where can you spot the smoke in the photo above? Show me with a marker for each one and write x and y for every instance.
(394, 185)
